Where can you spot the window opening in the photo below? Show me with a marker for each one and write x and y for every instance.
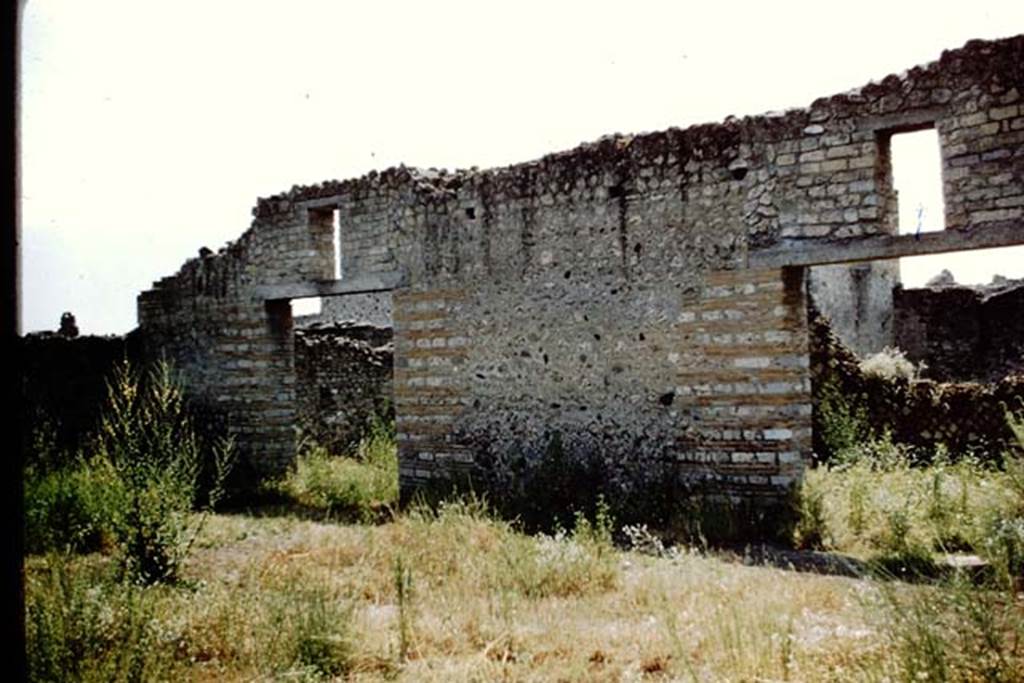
(336, 231)
(306, 306)
(917, 181)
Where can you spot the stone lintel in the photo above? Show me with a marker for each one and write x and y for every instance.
(814, 252)
(360, 284)
(905, 121)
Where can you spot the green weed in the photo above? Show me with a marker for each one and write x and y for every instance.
(72, 509)
(147, 439)
(885, 506)
(82, 627)
(361, 487)
(953, 630)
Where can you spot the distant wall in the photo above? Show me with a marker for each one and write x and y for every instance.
(64, 381)
(343, 379)
(857, 299)
(962, 333)
(964, 417)
(373, 309)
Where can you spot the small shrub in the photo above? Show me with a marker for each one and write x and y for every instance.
(321, 634)
(561, 564)
(841, 421)
(640, 539)
(598, 533)
(72, 509)
(811, 528)
(891, 363)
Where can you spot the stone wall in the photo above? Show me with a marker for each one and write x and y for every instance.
(630, 296)
(962, 333)
(373, 308)
(858, 301)
(64, 382)
(963, 417)
(343, 379)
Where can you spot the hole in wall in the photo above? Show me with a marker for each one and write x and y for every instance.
(336, 232)
(307, 306)
(917, 181)
(470, 213)
(325, 224)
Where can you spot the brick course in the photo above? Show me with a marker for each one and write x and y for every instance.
(611, 293)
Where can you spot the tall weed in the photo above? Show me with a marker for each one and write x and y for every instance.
(88, 628)
(954, 630)
(877, 501)
(842, 420)
(147, 437)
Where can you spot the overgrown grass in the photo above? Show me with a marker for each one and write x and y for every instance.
(451, 592)
(955, 630)
(134, 489)
(361, 486)
(881, 505)
(84, 624)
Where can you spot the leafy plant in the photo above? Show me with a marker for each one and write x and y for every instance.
(72, 509)
(842, 421)
(147, 437)
(81, 627)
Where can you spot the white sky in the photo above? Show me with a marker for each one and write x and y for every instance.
(149, 128)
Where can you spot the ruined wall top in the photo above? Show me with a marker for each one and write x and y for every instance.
(979, 63)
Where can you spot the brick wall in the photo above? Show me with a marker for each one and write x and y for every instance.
(603, 293)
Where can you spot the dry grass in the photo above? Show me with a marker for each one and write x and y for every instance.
(482, 602)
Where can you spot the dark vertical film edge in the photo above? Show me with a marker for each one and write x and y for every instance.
(13, 533)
